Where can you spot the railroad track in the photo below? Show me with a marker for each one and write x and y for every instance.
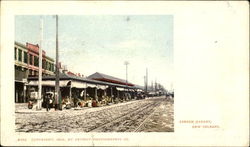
(62, 119)
(70, 117)
(117, 119)
(133, 113)
(145, 121)
(129, 118)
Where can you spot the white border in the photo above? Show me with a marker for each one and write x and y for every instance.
(211, 78)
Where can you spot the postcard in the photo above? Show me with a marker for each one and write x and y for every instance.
(124, 73)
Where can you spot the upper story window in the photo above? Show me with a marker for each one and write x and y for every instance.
(19, 55)
(31, 59)
(25, 57)
(36, 61)
(15, 53)
(44, 64)
(52, 67)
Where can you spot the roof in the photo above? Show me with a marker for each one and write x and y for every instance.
(49, 58)
(26, 47)
(64, 76)
(20, 44)
(103, 77)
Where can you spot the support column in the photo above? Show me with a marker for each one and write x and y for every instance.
(111, 91)
(85, 92)
(70, 93)
(24, 93)
(16, 96)
(96, 98)
(105, 92)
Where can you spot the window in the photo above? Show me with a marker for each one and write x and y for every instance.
(52, 67)
(44, 64)
(30, 72)
(36, 61)
(19, 55)
(31, 59)
(47, 65)
(25, 55)
(15, 53)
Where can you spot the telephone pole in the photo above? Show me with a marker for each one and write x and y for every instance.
(146, 81)
(39, 101)
(57, 88)
(126, 63)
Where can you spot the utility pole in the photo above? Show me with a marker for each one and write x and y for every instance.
(152, 86)
(126, 63)
(155, 85)
(57, 88)
(146, 81)
(39, 103)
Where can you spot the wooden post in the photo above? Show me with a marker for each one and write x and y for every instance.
(96, 98)
(85, 92)
(118, 93)
(24, 93)
(70, 92)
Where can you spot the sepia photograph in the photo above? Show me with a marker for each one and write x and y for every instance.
(94, 73)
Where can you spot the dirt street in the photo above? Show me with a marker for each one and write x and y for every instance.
(147, 115)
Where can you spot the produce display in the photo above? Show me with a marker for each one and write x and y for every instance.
(89, 102)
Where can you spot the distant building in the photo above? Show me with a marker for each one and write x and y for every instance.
(106, 78)
(27, 65)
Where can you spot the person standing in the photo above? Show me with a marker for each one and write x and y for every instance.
(47, 102)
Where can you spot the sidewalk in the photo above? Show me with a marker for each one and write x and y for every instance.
(23, 108)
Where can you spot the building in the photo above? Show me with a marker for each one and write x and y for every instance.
(126, 91)
(72, 86)
(27, 65)
(106, 78)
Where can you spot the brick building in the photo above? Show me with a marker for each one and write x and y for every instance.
(26, 65)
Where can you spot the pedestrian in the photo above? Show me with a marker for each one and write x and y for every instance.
(47, 102)
(50, 101)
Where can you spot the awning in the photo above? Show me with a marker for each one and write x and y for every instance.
(49, 83)
(120, 89)
(77, 84)
(103, 87)
(91, 85)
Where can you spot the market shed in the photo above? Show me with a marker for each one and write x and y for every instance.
(80, 87)
(107, 78)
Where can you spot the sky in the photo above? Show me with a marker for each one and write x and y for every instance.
(102, 43)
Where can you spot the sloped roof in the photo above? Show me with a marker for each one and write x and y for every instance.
(64, 76)
(98, 76)
(20, 44)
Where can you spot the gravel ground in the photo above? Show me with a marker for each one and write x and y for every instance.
(161, 120)
(148, 115)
